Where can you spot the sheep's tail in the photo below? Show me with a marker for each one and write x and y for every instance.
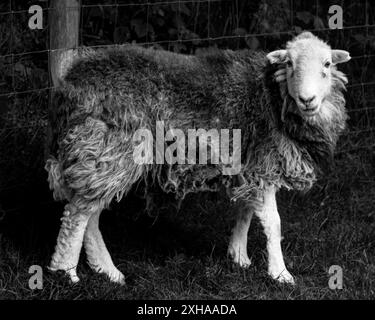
(56, 180)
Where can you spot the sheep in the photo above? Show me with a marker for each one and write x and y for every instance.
(288, 104)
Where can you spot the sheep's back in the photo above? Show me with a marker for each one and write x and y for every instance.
(109, 93)
(127, 87)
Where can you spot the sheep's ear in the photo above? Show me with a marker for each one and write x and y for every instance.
(340, 56)
(277, 56)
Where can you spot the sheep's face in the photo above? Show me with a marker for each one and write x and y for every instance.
(308, 64)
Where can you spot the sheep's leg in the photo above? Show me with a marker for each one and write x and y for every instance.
(270, 219)
(238, 242)
(69, 240)
(98, 256)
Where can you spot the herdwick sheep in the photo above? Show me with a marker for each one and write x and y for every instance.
(289, 105)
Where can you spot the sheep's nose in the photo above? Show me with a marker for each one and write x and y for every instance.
(307, 101)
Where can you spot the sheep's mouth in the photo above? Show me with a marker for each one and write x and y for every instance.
(290, 105)
(310, 112)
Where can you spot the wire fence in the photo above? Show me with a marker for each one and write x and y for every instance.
(183, 26)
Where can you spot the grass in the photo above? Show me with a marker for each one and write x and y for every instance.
(182, 255)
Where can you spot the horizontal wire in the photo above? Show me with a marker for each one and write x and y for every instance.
(355, 149)
(363, 56)
(119, 5)
(227, 37)
(361, 84)
(24, 92)
(361, 109)
(13, 55)
(147, 43)
(41, 124)
(8, 94)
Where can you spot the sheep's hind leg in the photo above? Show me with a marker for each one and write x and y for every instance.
(238, 242)
(69, 240)
(270, 219)
(98, 256)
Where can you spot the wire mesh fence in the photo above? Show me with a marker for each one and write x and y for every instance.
(184, 26)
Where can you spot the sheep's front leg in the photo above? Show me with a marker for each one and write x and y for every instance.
(69, 240)
(270, 219)
(238, 242)
(98, 256)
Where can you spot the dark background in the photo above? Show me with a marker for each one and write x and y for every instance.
(181, 254)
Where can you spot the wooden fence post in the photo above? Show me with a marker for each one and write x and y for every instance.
(64, 16)
(64, 19)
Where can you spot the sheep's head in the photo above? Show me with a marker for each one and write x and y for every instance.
(308, 66)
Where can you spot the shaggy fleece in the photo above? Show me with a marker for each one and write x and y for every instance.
(109, 93)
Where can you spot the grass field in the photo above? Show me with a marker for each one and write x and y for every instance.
(182, 255)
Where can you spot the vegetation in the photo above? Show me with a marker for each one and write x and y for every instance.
(170, 254)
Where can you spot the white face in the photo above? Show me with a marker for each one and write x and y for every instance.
(308, 75)
(308, 66)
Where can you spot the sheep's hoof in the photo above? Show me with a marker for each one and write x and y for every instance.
(116, 276)
(74, 278)
(71, 273)
(113, 274)
(239, 257)
(283, 277)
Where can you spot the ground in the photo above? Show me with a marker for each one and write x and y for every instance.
(182, 255)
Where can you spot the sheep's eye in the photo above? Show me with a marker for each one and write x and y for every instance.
(327, 64)
(289, 64)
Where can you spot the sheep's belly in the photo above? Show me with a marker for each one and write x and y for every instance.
(184, 179)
